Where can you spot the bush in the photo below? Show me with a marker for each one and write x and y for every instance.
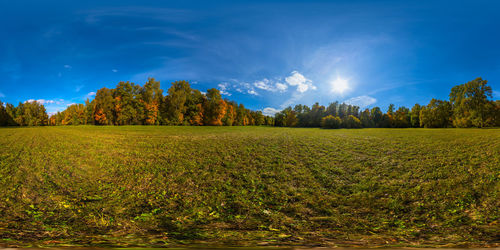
(331, 121)
(352, 122)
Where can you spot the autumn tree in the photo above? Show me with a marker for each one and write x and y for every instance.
(152, 96)
(230, 116)
(104, 107)
(215, 108)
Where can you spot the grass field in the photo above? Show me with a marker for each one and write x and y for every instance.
(165, 186)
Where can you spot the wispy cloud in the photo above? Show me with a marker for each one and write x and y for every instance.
(67, 66)
(114, 70)
(238, 86)
(89, 95)
(169, 15)
(252, 92)
(223, 87)
(295, 97)
(361, 101)
(44, 102)
(79, 87)
(396, 85)
(270, 85)
(1, 95)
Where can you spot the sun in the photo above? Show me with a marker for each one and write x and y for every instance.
(339, 85)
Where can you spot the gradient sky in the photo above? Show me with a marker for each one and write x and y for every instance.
(266, 55)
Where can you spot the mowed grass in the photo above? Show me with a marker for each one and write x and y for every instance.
(165, 186)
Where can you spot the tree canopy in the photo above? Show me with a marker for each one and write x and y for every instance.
(470, 105)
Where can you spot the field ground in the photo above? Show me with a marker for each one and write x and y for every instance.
(168, 186)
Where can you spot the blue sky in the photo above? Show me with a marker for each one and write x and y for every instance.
(266, 55)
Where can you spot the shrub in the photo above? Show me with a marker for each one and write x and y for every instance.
(352, 122)
(331, 121)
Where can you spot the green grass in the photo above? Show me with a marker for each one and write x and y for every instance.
(166, 186)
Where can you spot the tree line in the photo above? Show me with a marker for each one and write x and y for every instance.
(468, 106)
(132, 104)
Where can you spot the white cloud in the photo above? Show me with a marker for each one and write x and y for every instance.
(263, 84)
(361, 101)
(1, 95)
(303, 84)
(281, 87)
(252, 92)
(66, 66)
(270, 85)
(114, 70)
(270, 111)
(496, 94)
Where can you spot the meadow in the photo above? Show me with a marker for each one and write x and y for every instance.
(169, 186)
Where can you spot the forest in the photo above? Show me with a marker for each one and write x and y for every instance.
(469, 105)
(132, 104)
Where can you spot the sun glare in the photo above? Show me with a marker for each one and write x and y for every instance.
(339, 85)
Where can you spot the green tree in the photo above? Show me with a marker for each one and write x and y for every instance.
(5, 118)
(470, 103)
(366, 119)
(175, 102)
(402, 118)
(437, 114)
(415, 116)
(376, 115)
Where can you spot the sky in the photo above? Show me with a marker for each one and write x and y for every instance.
(265, 54)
